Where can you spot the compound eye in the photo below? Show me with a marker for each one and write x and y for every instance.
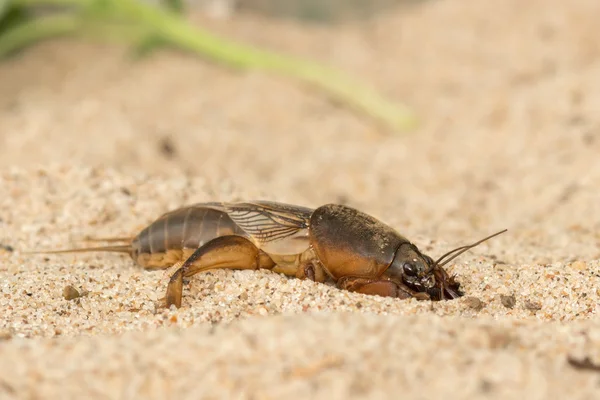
(409, 269)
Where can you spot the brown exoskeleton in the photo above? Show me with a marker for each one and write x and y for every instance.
(360, 253)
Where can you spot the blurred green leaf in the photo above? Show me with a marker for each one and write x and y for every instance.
(12, 15)
(29, 31)
(147, 45)
(3, 8)
(175, 5)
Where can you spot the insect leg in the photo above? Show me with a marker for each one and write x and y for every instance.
(311, 270)
(379, 287)
(229, 252)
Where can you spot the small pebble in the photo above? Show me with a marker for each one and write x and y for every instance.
(70, 293)
(167, 148)
(579, 265)
(486, 386)
(5, 334)
(7, 248)
(532, 305)
(474, 303)
(508, 301)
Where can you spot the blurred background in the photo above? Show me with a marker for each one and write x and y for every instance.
(504, 92)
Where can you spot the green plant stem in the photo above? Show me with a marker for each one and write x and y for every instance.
(171, 28)
(52, 26)
(3, 7)
(38, 29)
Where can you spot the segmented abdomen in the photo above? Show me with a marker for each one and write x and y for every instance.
(175, 235)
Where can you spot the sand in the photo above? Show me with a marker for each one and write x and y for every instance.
(92, 144)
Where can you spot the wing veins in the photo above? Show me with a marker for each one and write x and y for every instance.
(268, 223)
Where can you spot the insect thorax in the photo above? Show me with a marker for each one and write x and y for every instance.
(290, 264)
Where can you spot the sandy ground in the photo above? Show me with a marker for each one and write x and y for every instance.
(92, 144)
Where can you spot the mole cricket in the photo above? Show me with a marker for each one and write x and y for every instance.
(357, 251)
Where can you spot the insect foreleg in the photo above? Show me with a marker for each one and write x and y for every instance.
(380, 287)
(225, 252)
